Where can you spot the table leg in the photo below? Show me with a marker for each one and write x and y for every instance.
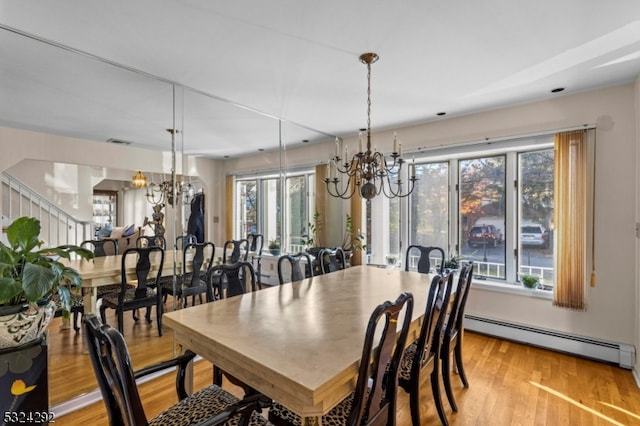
(312, 421)
(90, 298)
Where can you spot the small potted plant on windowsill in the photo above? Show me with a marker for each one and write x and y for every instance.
(452, 264)
(274, 247)
(391, 259)
(530, 281)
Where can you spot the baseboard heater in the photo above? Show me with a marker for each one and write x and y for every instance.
(616, 353)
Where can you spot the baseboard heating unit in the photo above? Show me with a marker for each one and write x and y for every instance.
(616, 353)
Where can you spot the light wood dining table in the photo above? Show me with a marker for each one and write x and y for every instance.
(106, 270)
(299, 343)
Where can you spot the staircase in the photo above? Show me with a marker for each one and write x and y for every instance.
(57, 227)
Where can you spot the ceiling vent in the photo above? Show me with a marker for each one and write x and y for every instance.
(119, 141)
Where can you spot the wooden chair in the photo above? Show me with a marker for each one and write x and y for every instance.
(101, 248)
(117, 380)
(424, 259)
(142, 295)
(77, 307)
(183, 240)
(373, 404)
(297, 269)
(231, 280)
(199, 256)
(422, 356)
(332, 260)
(256, 244)
(453, 333)
(233, 251)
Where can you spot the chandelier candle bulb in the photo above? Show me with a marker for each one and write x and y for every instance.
(337, 149)
(395, 142)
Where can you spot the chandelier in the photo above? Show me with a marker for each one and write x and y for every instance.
(139, 180)
(369, 170)
(163, 192)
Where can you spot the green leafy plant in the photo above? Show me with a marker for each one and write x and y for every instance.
(352, 239)
(274, 244)
(452, 263)
(309, 238)
(29, 274)
(530, 281)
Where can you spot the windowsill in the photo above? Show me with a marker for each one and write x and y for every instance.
(516, 289)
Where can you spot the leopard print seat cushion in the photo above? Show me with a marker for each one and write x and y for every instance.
(102, 290)
(336, 417)
(112, 298)
(77, 302)
(201, 406)
(407, 362)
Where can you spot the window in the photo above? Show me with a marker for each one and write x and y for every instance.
(482, 214)
(535, 204)
(261, 201)
(489, 203)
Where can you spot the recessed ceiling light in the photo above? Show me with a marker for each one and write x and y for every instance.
(441, 113)
(305, 140)
(260, 149)
(557, 90)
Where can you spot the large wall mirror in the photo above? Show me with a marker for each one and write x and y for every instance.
(140, 108)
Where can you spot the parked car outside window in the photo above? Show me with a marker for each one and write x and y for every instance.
(484, 235)
(534, 235)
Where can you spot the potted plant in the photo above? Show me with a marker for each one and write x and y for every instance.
(391, 259)
(29, 276)
(274, 247)
(452, 264)
(309, 239)
(530, 281)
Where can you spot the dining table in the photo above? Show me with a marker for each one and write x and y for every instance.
(106, 270)
(298, 343)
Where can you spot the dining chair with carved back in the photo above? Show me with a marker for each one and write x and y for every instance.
(256, 244)
(183, 240)
(453, 335)
(424, 255)
(142, 295)
(373, 402)
(116, 378)
(197, 260)
(332, 259)
(294, 267)
(421, 358)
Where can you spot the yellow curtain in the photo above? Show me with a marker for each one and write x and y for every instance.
(571, 204)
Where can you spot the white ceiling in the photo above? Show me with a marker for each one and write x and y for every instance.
(104, 69)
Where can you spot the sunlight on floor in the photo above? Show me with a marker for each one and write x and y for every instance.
(576, 403)
(629, 413)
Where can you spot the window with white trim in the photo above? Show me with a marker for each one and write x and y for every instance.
(261, 202)
(491, 203)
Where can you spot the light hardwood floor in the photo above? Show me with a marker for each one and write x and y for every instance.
(510, 383)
